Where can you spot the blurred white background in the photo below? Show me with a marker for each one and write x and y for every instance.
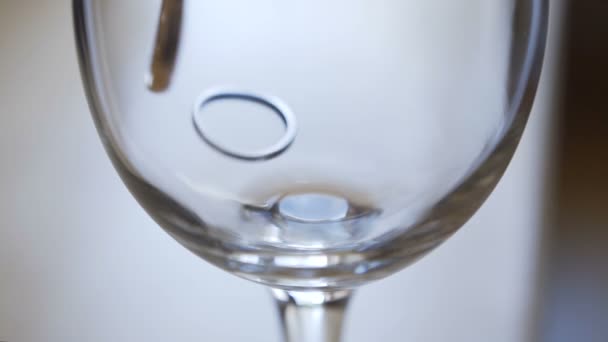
(81, 261)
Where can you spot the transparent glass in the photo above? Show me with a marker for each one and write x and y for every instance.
(310, 146)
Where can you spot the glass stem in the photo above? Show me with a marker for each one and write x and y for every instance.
(311, 316)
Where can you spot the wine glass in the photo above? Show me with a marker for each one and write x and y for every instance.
(310, 146)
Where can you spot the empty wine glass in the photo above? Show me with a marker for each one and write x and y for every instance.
(310, 146)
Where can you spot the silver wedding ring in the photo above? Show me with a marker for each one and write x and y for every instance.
(275, 104)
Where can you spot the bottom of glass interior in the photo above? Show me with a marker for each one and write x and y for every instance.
(312, 268)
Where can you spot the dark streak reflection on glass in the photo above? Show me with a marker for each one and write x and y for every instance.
(166, 45)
